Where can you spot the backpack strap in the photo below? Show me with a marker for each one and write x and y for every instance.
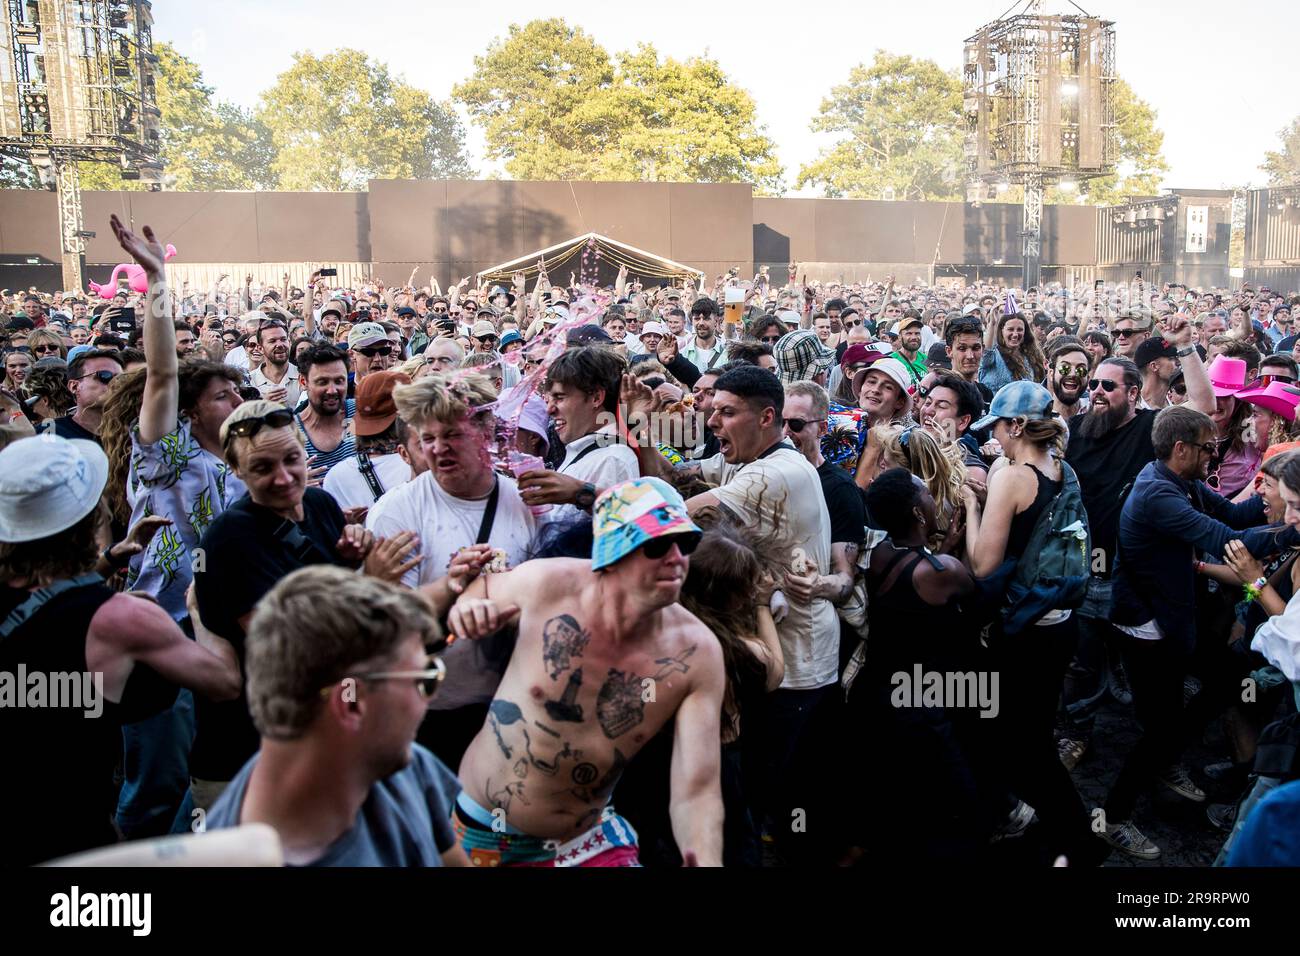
(42, 596)
(367, 469)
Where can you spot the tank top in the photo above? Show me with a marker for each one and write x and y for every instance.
(60, 797)
(328, 459)
(1022, 525)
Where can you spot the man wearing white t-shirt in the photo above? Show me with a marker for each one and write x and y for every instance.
(464, 513)
(773, 489)
(582, 388)
(379, 464)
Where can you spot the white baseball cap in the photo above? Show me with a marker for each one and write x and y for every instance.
(48, 484)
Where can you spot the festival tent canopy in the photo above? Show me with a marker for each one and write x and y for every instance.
(594, 259)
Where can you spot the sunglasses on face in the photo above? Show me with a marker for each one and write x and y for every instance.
(1263, 381)
(370, 351)
(1065, 370)
(487, 339)
(1105, 384)
(659, 547)
(42, 349)
(796, 425)
(103, 376)
(248, 427)
(426, 681)
(770, 339)
(1179, 389)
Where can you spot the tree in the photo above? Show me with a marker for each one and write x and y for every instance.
(17, 173)
(340, 120)
(204, 144)
(553, 104)
(1283, 166)
(901, 123)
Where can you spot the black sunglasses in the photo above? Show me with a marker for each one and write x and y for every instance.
(659, 547)
(248, 427)
(103, 376)
(770, 339)
(1105, 384)
(370, 351)
(1125, 333)
(795, 424)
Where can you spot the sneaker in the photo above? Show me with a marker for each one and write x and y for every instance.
(1177, 780)
(1119, 688)
(1071, 751)
(1129, 840)
(1222, 815)
(1016, 823)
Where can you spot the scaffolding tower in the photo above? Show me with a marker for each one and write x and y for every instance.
(78, 83)
(1039, 105)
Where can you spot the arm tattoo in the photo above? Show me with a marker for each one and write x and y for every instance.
(562, 640)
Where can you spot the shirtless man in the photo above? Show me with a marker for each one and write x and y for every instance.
(605, 658)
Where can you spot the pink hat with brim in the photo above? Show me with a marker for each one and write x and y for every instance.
(1277, 397)
(1227, 376)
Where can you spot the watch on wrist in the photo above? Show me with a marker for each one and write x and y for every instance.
(585, 498)
(1184, 352)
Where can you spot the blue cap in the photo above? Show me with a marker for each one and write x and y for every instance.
(507, 337)
(1022, 399)
(77, 350)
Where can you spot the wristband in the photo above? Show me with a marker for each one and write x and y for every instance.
(1183, 353)
(113, 562)
(1252, 591)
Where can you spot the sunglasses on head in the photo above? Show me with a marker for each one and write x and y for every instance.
(1105, 384)
(248, 427)
(370, 351)
(659, 547)
(103, 376)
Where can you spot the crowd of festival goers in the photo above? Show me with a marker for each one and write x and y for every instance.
(652, 571)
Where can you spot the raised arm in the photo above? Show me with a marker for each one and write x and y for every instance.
(1200, 393)
(161, 388)
(695, 804)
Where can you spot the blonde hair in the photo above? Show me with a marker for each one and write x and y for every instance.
(313, 628)
(446, 398)
(940, 464)
(246, 410)
(46, 337)
(1049, 433)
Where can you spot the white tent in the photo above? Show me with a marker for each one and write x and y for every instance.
(592, 257)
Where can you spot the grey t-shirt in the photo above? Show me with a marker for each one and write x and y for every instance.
(405, 821)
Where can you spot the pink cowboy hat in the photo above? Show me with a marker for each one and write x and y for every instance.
(1278, 397)
(1227, 375)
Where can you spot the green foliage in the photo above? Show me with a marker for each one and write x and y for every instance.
(900, 125)
(553, 104)
(340, 120)
(1283, 166)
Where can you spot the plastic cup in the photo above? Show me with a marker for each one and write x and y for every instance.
(521, 464)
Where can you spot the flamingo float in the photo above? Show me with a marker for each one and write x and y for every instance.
(134, 277)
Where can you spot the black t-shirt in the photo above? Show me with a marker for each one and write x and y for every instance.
(1286, 345)
(844, 502)
(246, 551)
(65, 427)
(1106, 467)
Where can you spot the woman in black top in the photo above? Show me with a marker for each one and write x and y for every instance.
(1032, 662)
(100, 658)
(922, 621)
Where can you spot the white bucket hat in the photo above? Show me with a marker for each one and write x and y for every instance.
(48, 484)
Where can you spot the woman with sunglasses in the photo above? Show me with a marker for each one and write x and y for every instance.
(1237, 460)
(46, 343)
(280, 525)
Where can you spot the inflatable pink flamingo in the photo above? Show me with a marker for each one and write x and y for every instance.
(134, 277)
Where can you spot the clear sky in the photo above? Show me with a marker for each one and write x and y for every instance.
(1221, 76)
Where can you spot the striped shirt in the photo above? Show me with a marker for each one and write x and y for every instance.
(346, 448)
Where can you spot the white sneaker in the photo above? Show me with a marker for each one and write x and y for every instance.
(1130, 841)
